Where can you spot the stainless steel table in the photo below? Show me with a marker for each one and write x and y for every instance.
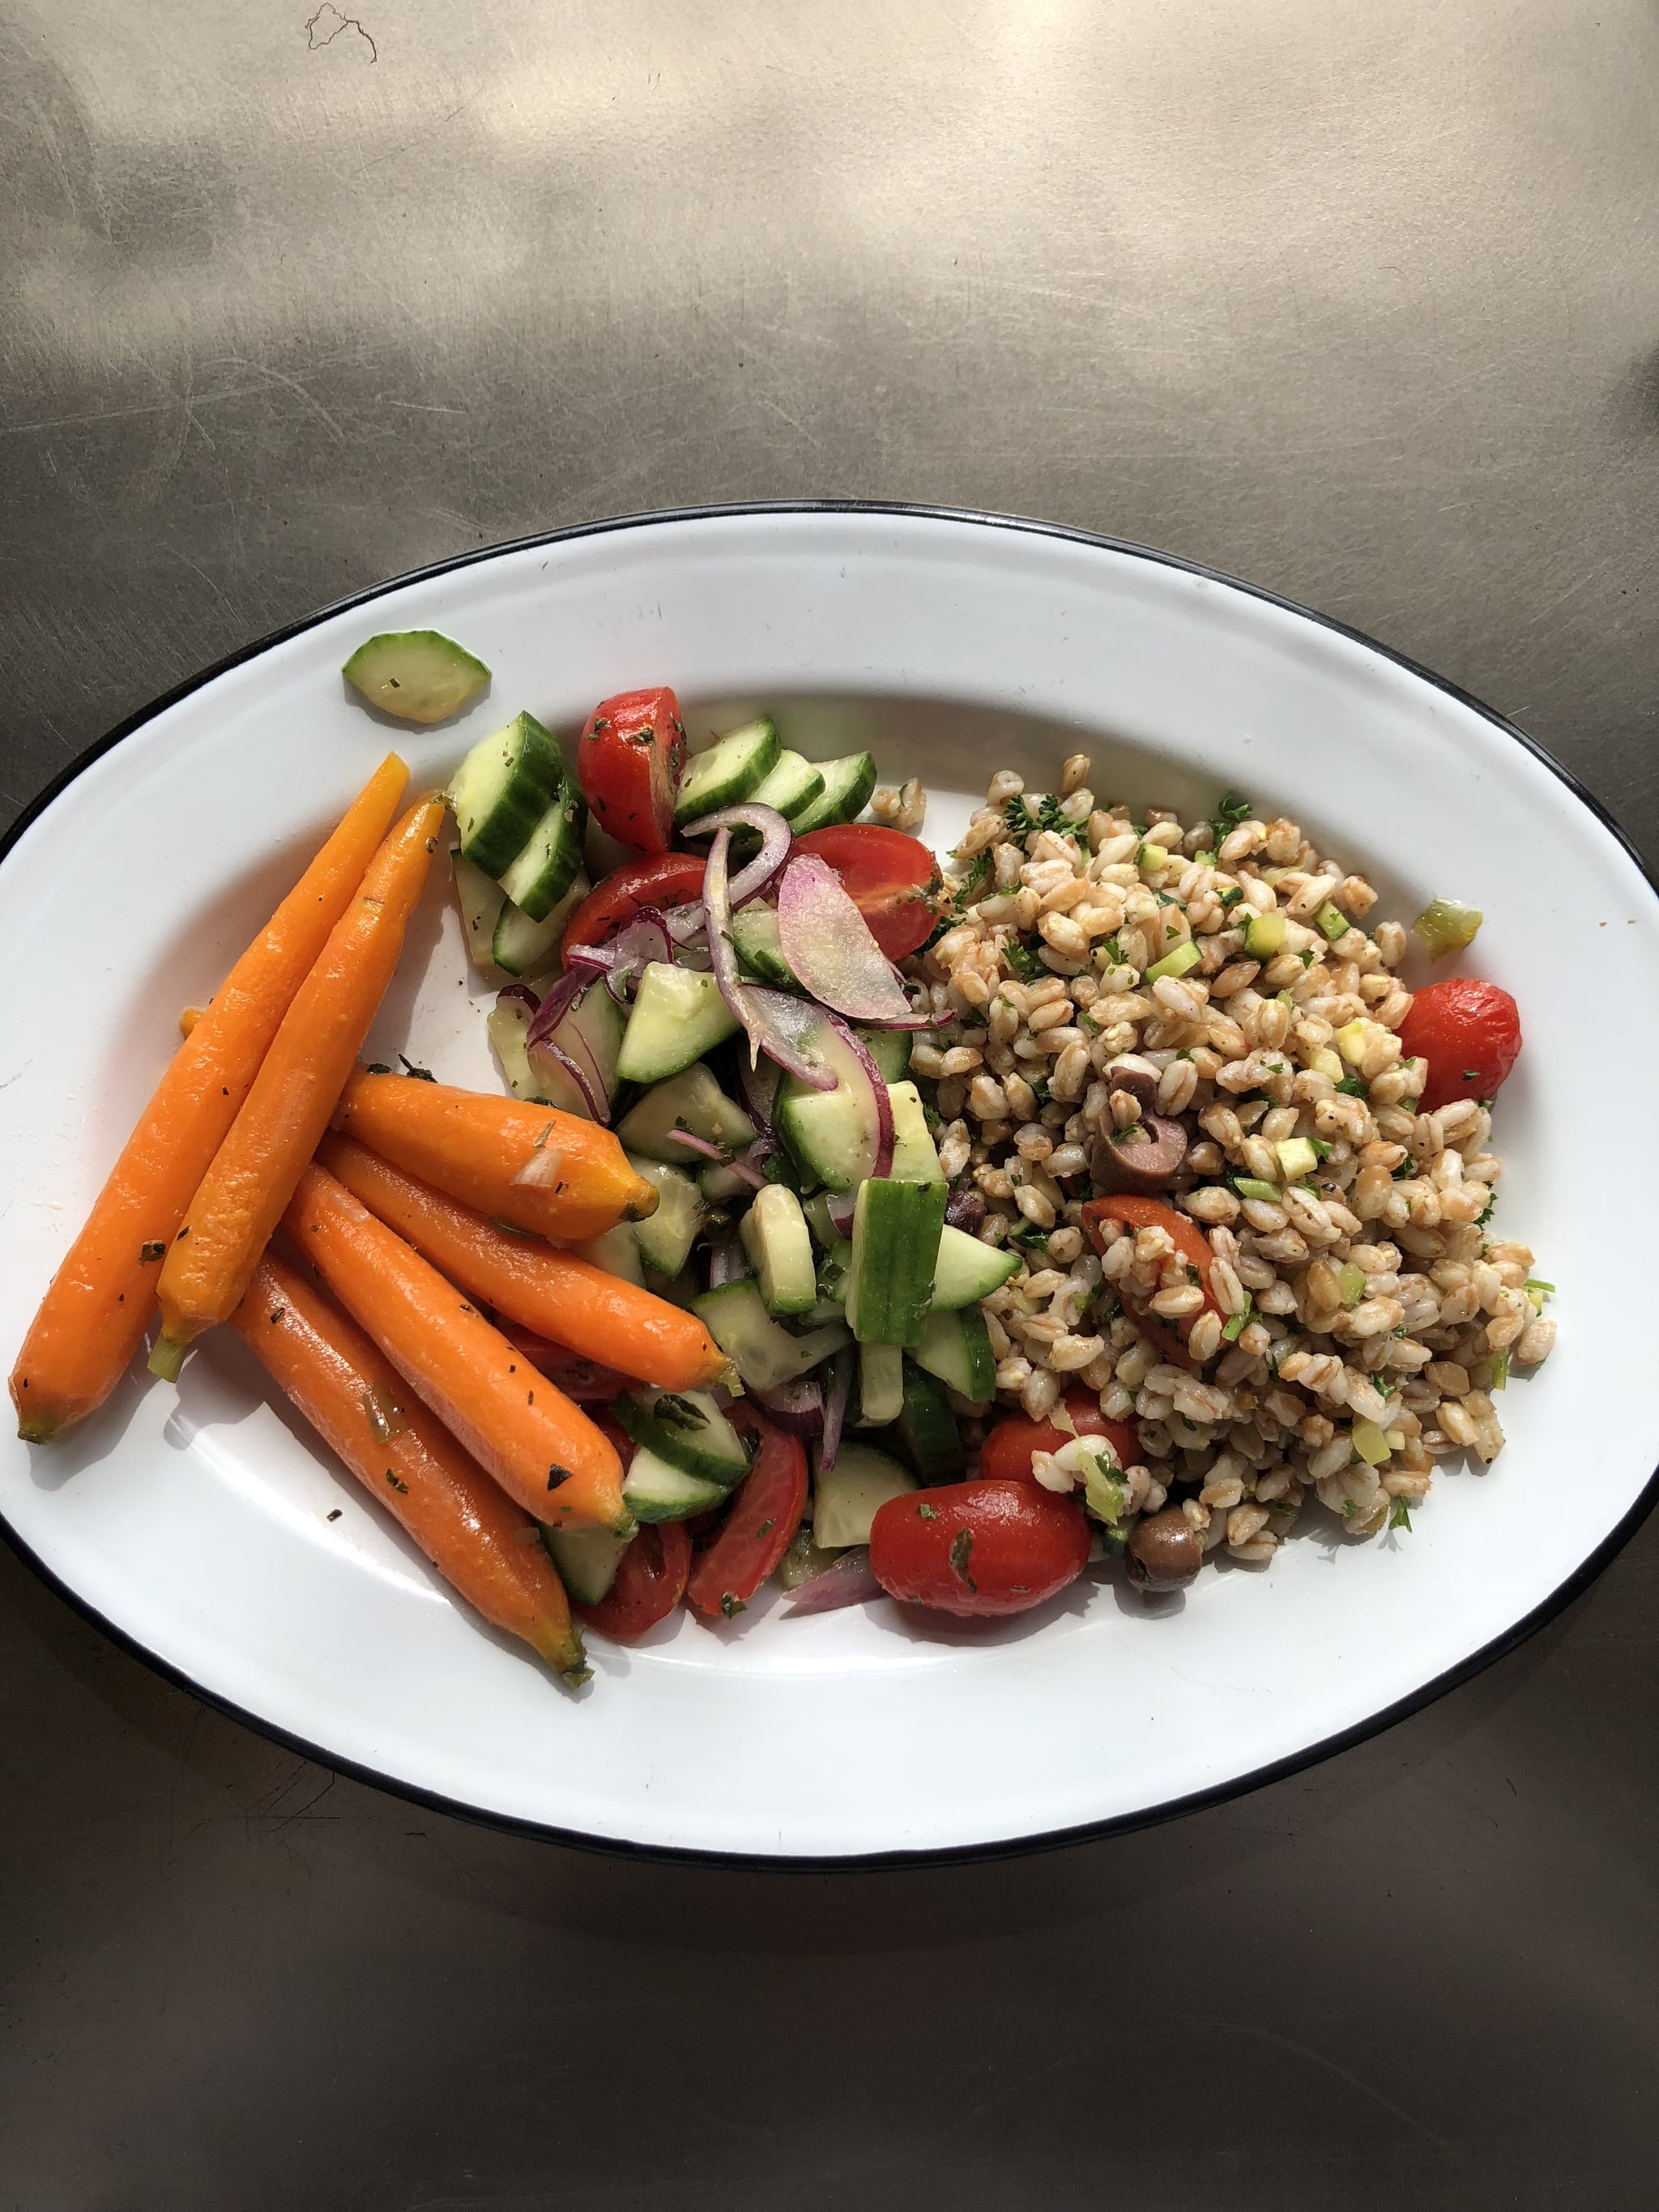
(1355, 299)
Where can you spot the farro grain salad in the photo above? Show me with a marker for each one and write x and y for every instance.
(846, 1222)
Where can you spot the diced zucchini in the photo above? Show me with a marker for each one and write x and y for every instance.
(1333, 921)
(896, 1232)
(728, 772)
(479, 900)
(587, 1558)
(551, 860)
(591, 1031)
(617, 1252)
(1447, 926)
(763, 1354)
(1185, 956)
(502, 789)
(655, 1490)
(881, 1384)
(687, 1429)
(791, 785)
(927, 1429)
(847, 784)
(957, 1347)
(754, 941)
(847, 1498)
(774, 1236)
(418, 674)
(690, 1100)
(665, 1240)
(679, 1015)
(1297, 1157)
(967, 1270)
(1264, 936)
(524, 947)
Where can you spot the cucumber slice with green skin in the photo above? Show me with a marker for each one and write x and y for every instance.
(551, 860)
(774, 1236)
(587, 1558)
(523, 947)
(617, 1252)
(890, 1050)
(847, 784)
(418, 674)
(665, 1240)
(655, 1490)
(687, 1429)
(720, 1185)
(754, 941)
(832, 1134)
(881, 1384)
(927, 1430)
(847, 1499)
(691, 1100)
(764, 1354)
(679, 1015)
(896, 1227)
(501, 792)
(957, 1348)
(791, 785)
(729, 771)
(479, 900)
(592, 1031)
(967, 1270)
(802, 1560)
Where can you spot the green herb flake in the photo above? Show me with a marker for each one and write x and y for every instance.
(396, 1485)
(962, 1550)
(420, 1074)
(1482, 1219)
(149, 1252)
(925, 1513)
(731, 1606)
(1052, 816)
(555, 1475)
(1400, 1518)
(1352, 1087)
(680, 1412)
(1308, 956)
(1017, 815)
(1024, 962)
(1233, 810)
(1321, 1148)
(1231, 898)
(380, 1067)
(766, 1527)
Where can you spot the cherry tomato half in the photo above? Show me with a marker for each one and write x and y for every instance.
(1005, 1454)
(1189, 1240)
(765, 1512)
(650, 1583)
(667, 879)
(628, 763)
(1468, 1031)
(978, 1548)
(888, 877)
(584, 1380)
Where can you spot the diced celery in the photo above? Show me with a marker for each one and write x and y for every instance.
(1185, 956)
(1537, 1292)
(1251, 1187)
(1500, 1370)
(1264, 936)
(1327, 1062)
(1152, 856)
(1297, 1157)
(1275, 876)
(1233, 1329)
(1447, 926)
(1351, 1281)
(1102, 1494)
(1331, 919)
(1370, 1442)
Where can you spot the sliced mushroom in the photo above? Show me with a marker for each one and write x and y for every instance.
(1136, 1076)
(1143, 1158)
(1164, 1550)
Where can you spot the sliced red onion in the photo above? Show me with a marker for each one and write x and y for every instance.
(727, 1261)
(541, 1170)
(790, 1027)
(557, 1004)
(879, 1091)
(756, 1098)
(841, 1210)
(797, 1405)
(520, 992)
(827, 942)
(845, 1581)
(750, 882)
(774, 1023)
(841, 1370)
(684, 922)
(645, 939)
(682, 1135)
(965, 1209)
(587, 1080)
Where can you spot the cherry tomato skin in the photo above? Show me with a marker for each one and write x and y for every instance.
(1189, 1239)
(628, 763)
(980, 1549)
(668, 879)
(767, 1507)
(1005, 1454)
(886, 875)
(650, 1583)
(1469, 1033)
(584, 1380)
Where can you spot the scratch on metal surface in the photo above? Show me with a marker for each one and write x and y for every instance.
(329, 20)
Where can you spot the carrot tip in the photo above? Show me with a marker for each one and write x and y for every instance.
(167, 1358)
(40, 1432)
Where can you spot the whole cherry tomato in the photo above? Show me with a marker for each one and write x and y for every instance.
(1468, 1031)
(1189, 1239)
(1005, 1454)
(650, 1583)
(765, 1512)
(978, 1548)
(888, 877)
(667, 879)
(628, 763)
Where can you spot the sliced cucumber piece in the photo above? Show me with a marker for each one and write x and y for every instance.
(691, 1100)
(728, 771)
(896, 1228)
(592, 1033)
(587, 1558)
(617, 1252)
(551, 860)
(524, 947)
(774, 1237)
(825, 1235)
(508, 1023)
(763, 1354)
(418, 674)
(967, 1270)
(881, 1384)
(847, 784)
(832, 1134)
(802, 1560)
(688, 1430)
(679, 1015)
(927, 1429)
(479, 900)
(847, 1498)
(890, 1050)
(501, 792)
(791, 785)
(754, 941)
(657, 1491)
(665, 1240)
(957, 1347)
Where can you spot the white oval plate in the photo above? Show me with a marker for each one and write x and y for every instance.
(196, 1525)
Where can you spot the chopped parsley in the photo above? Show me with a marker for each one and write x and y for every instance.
(962, 1550)
(1401, 1518)
(730, 1606)
(396, 1485)
(1352, 1087)
(926, 1513)
(1231, 898)
(421, 1074)
(1051, 816)
(1321, 1148)
(1308, 956)
(680, 1412)
(149, 1252)
(1024, 963)
(1017, 817)
(1491, 1208)
(1228, 815)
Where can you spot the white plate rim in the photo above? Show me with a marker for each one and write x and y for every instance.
(1571, 1586)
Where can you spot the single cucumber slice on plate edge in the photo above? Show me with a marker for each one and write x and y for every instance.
(687, 1429)
(847, 1495)
(502, 791)
(728, 772)
(587, 1558)
(655, 1490)
(418, 674)
(847, 784)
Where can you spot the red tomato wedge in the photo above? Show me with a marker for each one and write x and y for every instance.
(1005, 1454)
(888, 877)
(1468, 1031)
(650, 1583)
(1189, 1240)
(766, 1510)
(667, 879)
(628, 763)
(978, 1548)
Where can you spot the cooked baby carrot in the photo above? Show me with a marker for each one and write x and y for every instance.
(542, 1450)
(477, 1538)
(93, 1318)
(532, 1166)
(560, 1297)
(240, 1198)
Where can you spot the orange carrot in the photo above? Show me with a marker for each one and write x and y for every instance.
(560, 1297)
(240, 1198)
(533, 1166)
(542, 1450)
(477, 1538)
(93, 1317)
